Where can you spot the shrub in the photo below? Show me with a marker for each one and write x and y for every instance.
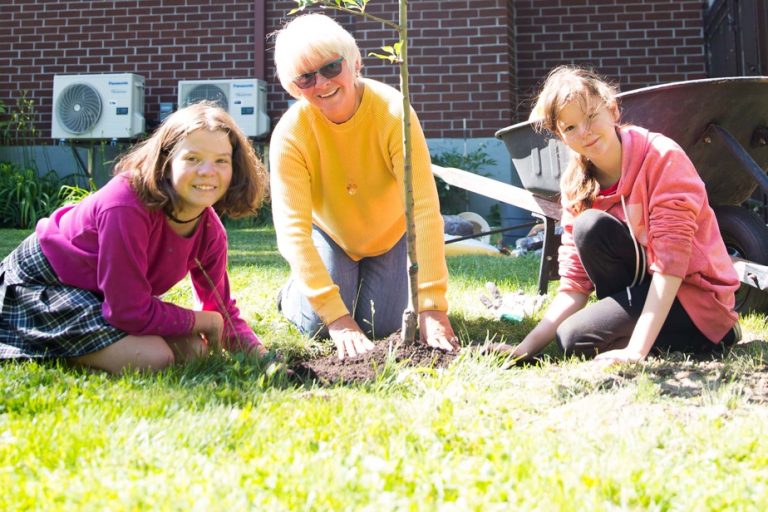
(17, 125)
(454, 199)
(26, 196)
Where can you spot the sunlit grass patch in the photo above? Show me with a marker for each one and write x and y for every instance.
(235, 433)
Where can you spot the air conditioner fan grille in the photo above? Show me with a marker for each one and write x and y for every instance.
(207, 92)
(78, 108)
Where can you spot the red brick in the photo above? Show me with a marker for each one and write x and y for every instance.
(168, 40)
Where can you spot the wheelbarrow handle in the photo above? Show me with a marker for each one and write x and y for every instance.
(748, 163)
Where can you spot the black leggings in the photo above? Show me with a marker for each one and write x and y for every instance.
(608, 254)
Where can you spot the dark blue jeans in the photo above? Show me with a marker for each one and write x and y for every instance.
(608, 254)
(374, 289)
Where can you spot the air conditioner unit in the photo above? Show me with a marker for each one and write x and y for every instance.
(244, 99)
(109, 106)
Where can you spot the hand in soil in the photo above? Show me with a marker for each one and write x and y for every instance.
(507, 354)
(348, 337)
(612, 357)
(259, 349)
(436, 330)
(329, 370)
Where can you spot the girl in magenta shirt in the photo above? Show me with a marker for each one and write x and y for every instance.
(86, 285)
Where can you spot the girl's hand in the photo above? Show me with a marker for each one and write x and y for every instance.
(210, 326)
(506, 351)
(188, 347)
(612, 357)
(350, 340)
(436, 330)
(259, 349)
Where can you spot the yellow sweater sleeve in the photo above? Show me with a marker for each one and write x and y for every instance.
(347, 179)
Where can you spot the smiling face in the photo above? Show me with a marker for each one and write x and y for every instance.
(201, 171)
(589, 128)
(338, 97)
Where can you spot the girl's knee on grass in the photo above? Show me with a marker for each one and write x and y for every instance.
(145, 353)
(105, 262)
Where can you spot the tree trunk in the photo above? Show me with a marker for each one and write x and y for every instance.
(411, 313)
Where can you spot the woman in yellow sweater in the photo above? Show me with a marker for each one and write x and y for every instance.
(336, 164)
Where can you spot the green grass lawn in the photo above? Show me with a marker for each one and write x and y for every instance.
(231, 434)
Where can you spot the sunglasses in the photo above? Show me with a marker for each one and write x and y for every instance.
(330, 70)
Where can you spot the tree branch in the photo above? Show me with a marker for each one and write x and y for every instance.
(360, 11)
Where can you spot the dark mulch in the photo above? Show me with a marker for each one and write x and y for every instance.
(365, 368)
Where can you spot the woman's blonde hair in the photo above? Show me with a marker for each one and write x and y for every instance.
(563, 85)
(306, 40)
(148, 165)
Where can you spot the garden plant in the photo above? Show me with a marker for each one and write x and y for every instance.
(26, 196)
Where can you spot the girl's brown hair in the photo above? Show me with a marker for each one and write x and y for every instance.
(564, 84)
(148, 165)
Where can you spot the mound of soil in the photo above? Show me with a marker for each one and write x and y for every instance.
(365, 368)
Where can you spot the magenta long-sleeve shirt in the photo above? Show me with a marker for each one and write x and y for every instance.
(110, 243)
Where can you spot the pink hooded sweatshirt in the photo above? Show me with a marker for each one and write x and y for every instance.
(670, 217)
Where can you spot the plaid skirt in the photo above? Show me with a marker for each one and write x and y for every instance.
(42, 318)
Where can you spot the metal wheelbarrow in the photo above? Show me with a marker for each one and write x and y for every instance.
(722, 124)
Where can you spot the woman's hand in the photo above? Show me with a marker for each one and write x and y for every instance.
(436, 330)
(350, 340)
(210, 326)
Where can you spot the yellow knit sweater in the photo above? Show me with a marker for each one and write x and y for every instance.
(347, 179)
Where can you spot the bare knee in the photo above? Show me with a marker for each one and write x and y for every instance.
(144, 353)
(154, 357)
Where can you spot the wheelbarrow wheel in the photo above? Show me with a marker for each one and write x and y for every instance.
(745, 236)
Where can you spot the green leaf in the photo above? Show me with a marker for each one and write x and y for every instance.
(391, 53)
(391, 58)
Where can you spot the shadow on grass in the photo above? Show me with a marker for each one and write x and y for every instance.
(476, 331)
(740, 373)
(754, 348)
(520, 272)
(229, 379)
(247, 246)
(10, 239)
(254, 247)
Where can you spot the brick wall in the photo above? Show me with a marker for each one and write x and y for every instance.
(473, 64)
(637, 43)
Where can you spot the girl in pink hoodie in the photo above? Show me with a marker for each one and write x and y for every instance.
(637, 229)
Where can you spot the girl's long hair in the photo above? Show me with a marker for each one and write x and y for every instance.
(578, 184)
(148, 165)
